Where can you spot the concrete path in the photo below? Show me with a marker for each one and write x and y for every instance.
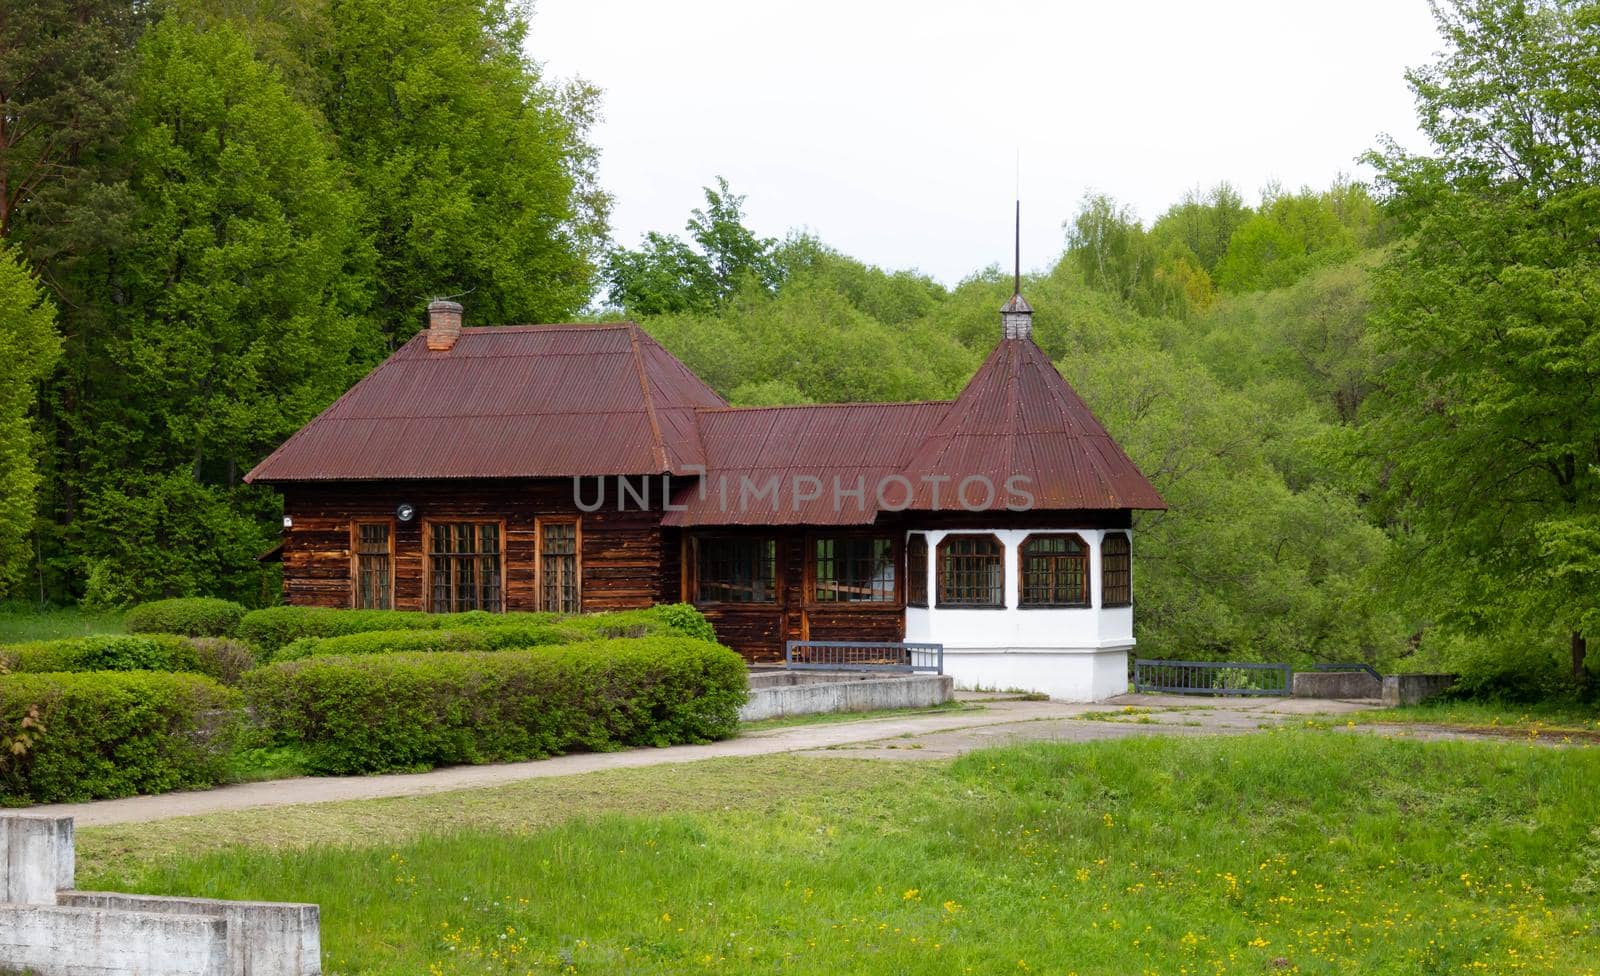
(931, 736)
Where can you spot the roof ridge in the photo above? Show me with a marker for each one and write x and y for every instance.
(649, 401)
(813, 406)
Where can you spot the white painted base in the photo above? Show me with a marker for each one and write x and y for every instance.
(1065, 674)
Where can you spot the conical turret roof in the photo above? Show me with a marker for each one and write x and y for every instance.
(1018, 420)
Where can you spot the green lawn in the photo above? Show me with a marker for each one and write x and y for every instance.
(1300, 851)
(1542, 719)
(24, 622)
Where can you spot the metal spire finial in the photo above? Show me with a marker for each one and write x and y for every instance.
(1016, 286)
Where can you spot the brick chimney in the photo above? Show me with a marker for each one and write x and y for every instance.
(444, 324)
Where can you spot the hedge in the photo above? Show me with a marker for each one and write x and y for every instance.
(197, 616)
(384, 712)
(106, 734)
(216, 657)
(274, 628)
(503, 638)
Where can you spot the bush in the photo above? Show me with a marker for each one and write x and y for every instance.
(379, 712)
(215, 657)
(273, 629)
(198, 616)
(223, 658)
(107, 652)
(505, 638)
(106, 734)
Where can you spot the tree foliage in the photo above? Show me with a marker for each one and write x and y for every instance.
(667, 275)
(28, 338)
(1484, 436)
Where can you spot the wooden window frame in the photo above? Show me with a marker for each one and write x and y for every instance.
(1126, 554)
(937, 592)
(1022, 572)
(427, 559)
(355, 558)
(538, 555)
(896, 561)
(691, 569)
(918, 572)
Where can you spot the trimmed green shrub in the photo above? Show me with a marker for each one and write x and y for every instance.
(270, 629)
(107, 652)
(506, 638)
(215, 657)
(686, 619)
(380, 712)
(106, 734)
(195, 616)
(273, 629)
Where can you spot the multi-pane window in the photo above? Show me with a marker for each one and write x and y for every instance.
(1055, 571)
(971, 571)
(1116, 571)
(733, 570)
(464, 566)
(558, 566)
(374, 567)
(917, 570)
(853, 570)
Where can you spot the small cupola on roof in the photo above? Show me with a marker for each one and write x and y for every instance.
(1016, 315)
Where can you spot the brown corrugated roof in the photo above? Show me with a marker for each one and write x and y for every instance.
(588, 400)
(508, 402)
(750, 450)
(1019, 417)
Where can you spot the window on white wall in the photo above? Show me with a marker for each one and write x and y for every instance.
(1055, 570)
(972, 572)
(1116, 571)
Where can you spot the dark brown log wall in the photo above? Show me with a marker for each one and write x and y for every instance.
(620, 559)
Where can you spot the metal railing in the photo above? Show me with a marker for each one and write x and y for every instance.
(863, 656)
(1212, 678)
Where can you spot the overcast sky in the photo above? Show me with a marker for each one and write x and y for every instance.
(892, 129)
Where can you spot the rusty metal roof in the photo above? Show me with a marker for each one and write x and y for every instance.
(588, 400)
(802, 465)
(508, 402)
(1018, 417)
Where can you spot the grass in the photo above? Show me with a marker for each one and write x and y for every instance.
(25, 622)
(1488, 716)
(1297, 851)
(829, 718)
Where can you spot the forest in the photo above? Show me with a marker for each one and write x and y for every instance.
(1373, 407)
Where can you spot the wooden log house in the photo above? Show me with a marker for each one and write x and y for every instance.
(584, 468)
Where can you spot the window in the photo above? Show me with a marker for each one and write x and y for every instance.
(917, 570)
(853, 570)
(558, 566)
(971, 571)
(735, 570)
(374, 566)
(464, 566)
(1116, 571)
(1055, 571)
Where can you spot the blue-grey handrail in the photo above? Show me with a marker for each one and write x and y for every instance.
(864, 656)
(1211, 677)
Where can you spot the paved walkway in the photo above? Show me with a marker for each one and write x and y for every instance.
(930, 736)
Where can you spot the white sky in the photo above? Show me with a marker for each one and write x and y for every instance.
(891, 128)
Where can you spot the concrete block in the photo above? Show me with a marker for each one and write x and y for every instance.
(861, 695)
(1410, 689)
(37, 858)
(48, 940)
(263, 938)
(1336, 684)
